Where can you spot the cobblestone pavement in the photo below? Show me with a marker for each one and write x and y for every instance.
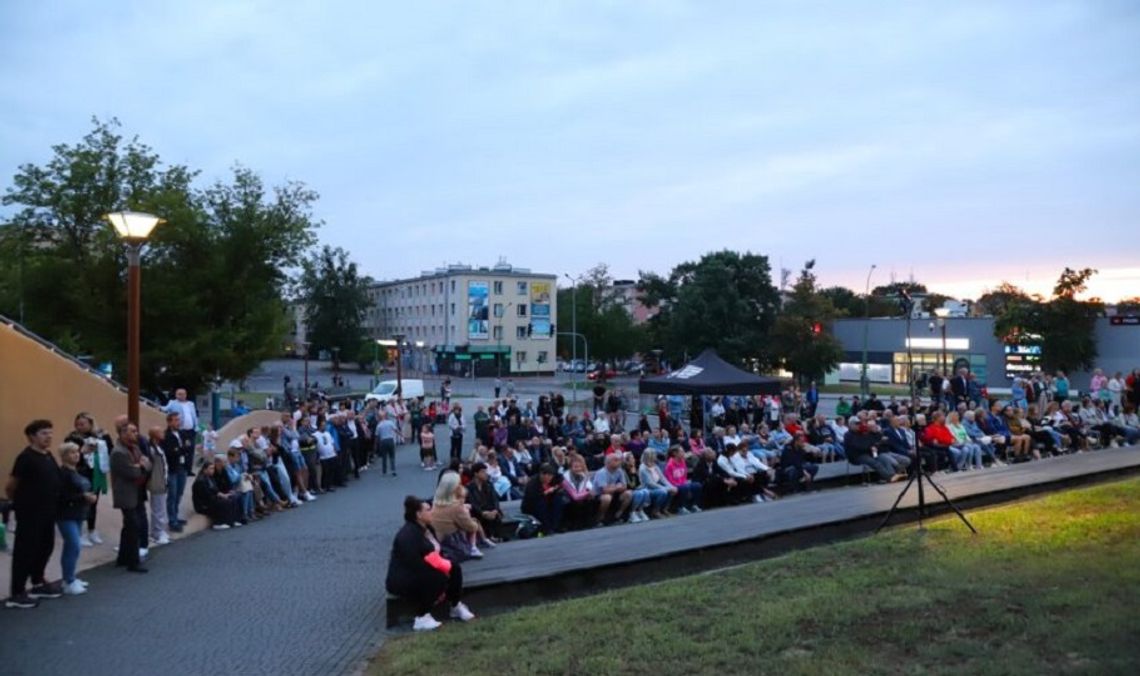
(301, 592)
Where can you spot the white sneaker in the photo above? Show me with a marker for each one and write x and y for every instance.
(757, 498)
(83, 583)
(426, 623)
(682, 510)
(85, 541)
(635, 517)
(309, 497)
(163, 539)
(143, 553)
(475, 553)
(73, 588)
(220, 526)
(462, 612)
(95, 537)
(694, 509)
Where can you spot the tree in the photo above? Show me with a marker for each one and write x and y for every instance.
(847, 303)
(601, 318)
(896, 288)
(335, 298)
(1129, 306)
(994, 303)
(725, 301)
(1063, 326)
(213, 275)
(802, 333)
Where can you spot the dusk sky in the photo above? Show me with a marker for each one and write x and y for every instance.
(968, 142)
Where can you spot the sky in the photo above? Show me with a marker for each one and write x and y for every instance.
(959, 143)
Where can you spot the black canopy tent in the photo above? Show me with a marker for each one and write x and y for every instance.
(708, 374)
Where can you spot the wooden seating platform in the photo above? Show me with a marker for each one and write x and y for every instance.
(528, 571)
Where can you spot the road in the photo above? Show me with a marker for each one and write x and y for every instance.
(301, 592)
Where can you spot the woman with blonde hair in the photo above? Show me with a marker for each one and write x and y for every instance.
(450, 513)
(75, 498)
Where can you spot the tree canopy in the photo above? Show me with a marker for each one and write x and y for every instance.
(601, 317)
(1063, 325)
(335, 297)
(726, 301)
(214, 274)
(802, 334)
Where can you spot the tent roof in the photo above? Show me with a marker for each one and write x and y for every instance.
(709, 374)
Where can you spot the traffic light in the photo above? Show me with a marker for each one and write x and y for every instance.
(816, 328)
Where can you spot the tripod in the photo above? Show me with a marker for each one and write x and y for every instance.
(920, 474)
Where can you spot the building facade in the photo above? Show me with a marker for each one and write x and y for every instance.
(461, 319)
(969, 342)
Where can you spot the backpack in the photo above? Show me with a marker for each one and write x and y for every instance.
(528, 527)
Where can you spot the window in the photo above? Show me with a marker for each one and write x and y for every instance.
(453, 309)
(498, 309)
(433, 309)
(520, 332)
(498, 288)
(453, 286)
(522, 288)
(521, 309)
(497, 333)
(542, 357)
(521, 356)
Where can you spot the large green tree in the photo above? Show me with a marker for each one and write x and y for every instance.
(1064, 326)
(596, 308)
(847, 303)
(725, 301)
(214, 274)
(335, 297)
(802, 334)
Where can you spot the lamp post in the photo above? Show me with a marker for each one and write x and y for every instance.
(133, 227)
(864, 381)
(574, 331)
(399, 338)
(941, 313)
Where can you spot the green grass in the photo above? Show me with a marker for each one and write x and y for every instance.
(1050, 585)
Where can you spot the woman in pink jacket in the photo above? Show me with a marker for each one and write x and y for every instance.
(688, 497)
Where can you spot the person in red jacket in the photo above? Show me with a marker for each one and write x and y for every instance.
(938, 438)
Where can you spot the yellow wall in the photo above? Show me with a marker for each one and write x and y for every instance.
(37, 383)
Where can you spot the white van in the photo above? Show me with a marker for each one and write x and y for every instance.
(387, 388)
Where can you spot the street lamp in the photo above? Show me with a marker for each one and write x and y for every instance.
(399, 338)
(864, 381)
(133, 227)
(942, 313)
(573, 330)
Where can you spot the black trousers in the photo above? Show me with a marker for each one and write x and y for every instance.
(34, 542)
(360, 454)
(328, 472)
(426, 595)
(129, 539)
(456, 446)
(225, 510)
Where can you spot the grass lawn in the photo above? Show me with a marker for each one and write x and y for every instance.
(1051, 585)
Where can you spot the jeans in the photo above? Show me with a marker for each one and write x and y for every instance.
(175, 487)
(69, 530)
(658, 498)
(688, 495)
(387, 451)
(267, 486)
(958, 458)
(971, 455)
(640, 499)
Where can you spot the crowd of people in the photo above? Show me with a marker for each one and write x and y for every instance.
(568, 469)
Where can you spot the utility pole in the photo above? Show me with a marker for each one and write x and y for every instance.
(864, 381)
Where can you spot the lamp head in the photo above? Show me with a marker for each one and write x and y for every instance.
(133, 226)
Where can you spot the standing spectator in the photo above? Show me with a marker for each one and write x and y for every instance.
(188, 424)
(173, 444)
(935, 382)
(811, 400)
(1115, 387)
(428, 459)
(74, 500)
(1061, 386)
(94, 465)
(326, 452)
(129, 469)
(34, 489)
(456, 425)
(960, 386)
(386, 434)
(156, 484)
(498, 386)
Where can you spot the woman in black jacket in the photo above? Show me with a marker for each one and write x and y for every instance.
(416, 571)
(210, 499)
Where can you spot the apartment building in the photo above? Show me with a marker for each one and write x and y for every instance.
(459, 318)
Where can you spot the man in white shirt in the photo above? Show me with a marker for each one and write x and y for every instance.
(188, 414)
(326, 452)
(731, 464)
(457, 426)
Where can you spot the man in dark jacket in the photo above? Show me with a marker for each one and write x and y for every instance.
(718, 486)
(129, 469)
(861, 444)
(34, 488)
(483, 500)
(175, 444)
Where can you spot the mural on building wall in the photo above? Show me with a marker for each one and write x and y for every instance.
(540, 309)
(477, 311)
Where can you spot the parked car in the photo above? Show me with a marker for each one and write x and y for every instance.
(606, 374)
